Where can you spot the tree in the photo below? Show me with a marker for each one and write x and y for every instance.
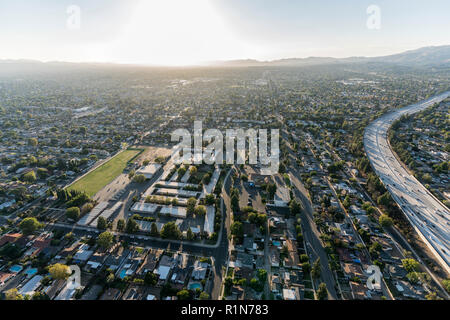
(191, 203)
(256, 285)
(347, 202)
(271, 190)
(410, 265)
(30, 225)
(77, 199)
(105, 240)
(10, 251)
(446, 284)
(204, 296)
(416, 277)
(120, 225)
(228, 284)
(206, 178)
(181, 171)
(150, 278)
(193, 170)
(262, 275)
(433, 296)
(385, 221)
(154, 230)
(284, 251)
(59, 271)
(39, 296)
(13, 294)
(385, 199)
(131, 174)
(235, 202)
(110, 278)
(237, 229)
(303, 258)
(316, 269)
(69, 236)
(101, 223)
(210, 199)
(427, 178)
(170, 231)
(73, 213)
(29, 177)
(140, 178)
(375, 249)
(190, 235)
(200, 211)
(183, 295)
(295, 207)
(132, 226)
(322, 292)
(32, 142)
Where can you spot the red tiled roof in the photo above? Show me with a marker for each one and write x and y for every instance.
(10, 238)
(5, 276)
(40, 243)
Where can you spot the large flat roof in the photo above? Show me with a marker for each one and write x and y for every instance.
(178, 212)
(142, 207)
(209, 219)
(150, 169)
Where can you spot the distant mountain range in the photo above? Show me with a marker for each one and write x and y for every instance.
(423, 57)
(427, 56)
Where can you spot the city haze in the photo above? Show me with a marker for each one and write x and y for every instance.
(177, 32)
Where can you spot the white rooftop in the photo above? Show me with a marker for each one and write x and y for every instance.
(209, 219)
(178, 212)
(142, 207)
(149, 170)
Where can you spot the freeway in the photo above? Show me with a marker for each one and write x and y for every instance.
(428, 216)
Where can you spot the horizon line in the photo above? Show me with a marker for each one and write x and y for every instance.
(210, 62)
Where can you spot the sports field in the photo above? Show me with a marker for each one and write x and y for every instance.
(97, 179)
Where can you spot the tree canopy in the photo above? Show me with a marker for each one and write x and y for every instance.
(105, 240)
(30, 225)
(59, 271)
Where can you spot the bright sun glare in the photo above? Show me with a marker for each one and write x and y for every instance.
(173, 32)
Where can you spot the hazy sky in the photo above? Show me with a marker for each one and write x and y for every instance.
(178, 32)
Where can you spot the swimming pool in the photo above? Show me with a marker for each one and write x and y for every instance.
(276, 243)
(31, 271)
(16, 268)
(195, 285)
(123, 274)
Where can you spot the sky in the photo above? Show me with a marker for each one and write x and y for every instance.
(186, 32)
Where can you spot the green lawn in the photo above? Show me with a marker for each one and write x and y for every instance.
(105, 174)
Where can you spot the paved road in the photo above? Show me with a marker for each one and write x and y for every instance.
(311, 234)
(428, 216)
(222, 253)
(312, 238)
(218, 251)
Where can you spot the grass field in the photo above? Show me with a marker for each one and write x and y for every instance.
(97, 179)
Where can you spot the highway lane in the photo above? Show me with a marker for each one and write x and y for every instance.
(428, 216)
(393, 234)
